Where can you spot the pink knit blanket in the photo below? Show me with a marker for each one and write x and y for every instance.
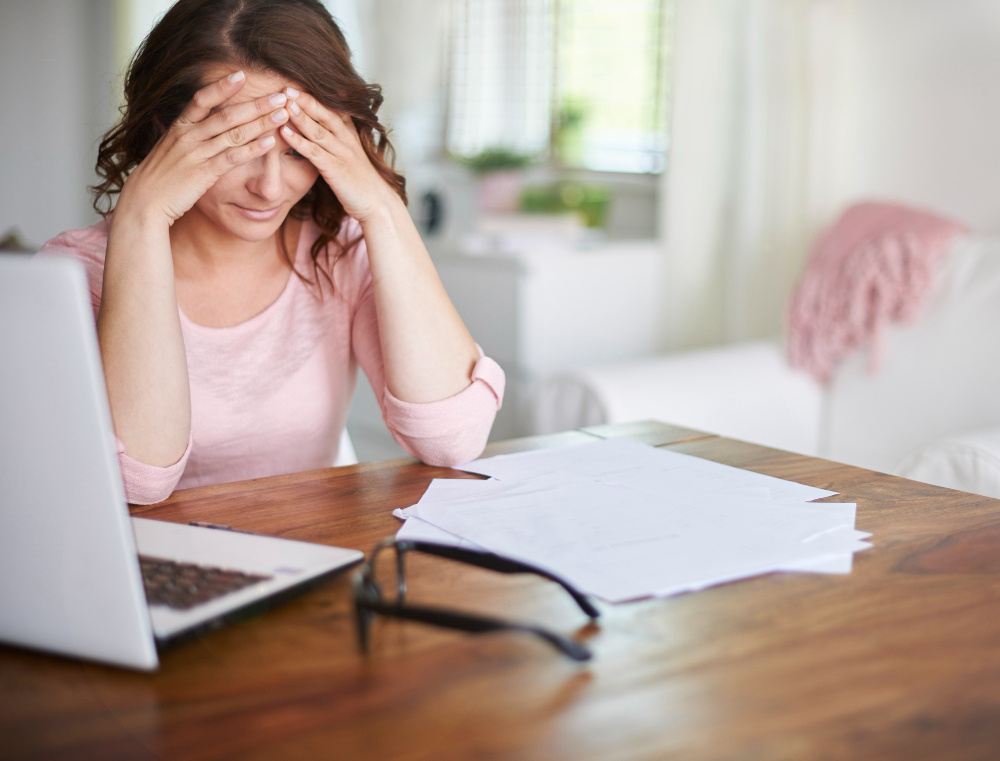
(874, 265)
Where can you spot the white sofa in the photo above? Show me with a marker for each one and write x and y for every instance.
(930, 409)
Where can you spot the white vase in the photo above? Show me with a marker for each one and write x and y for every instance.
(499, 192)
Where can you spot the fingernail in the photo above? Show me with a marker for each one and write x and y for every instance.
(291, 92)
(278, 100)
(268, 141)
(286, 131)
(294, 108)
(237, 77)
(280, 115)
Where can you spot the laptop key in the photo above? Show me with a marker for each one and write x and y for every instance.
(182, 586)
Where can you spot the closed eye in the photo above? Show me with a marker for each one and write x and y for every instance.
(294, 154)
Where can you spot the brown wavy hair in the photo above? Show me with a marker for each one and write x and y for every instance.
(297, 39)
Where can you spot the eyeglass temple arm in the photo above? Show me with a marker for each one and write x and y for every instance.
(477, 624)
(496, 563)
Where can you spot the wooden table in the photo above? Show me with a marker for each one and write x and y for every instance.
(899, 660)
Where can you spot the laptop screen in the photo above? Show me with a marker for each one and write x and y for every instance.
(69, 579)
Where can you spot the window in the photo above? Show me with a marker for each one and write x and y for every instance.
(583, 83)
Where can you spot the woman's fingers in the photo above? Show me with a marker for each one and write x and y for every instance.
(242, 154)
(237, 114)
(331, 143)
(309, 128)
(313, 152)
(215, 127)
(237, 119)
(242, 133)
(329, 130)
(210, 96)
(307, 111)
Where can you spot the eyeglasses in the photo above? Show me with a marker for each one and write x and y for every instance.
(368, 597)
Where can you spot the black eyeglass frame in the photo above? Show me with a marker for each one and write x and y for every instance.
(368, 596)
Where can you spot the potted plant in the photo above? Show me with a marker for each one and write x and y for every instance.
(499, 173)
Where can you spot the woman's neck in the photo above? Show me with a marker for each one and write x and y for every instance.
(222, 280)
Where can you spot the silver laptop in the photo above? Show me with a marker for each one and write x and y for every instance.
(70, 577)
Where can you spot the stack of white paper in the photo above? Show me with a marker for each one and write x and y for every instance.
(621, 520)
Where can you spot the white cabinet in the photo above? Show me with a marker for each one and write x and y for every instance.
(537, 311)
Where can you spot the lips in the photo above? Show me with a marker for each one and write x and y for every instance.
(258, 215)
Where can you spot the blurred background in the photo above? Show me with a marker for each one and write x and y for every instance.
(597, 180)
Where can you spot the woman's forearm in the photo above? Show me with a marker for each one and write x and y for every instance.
(426, 348)
(427, 353)
(138, 324)
(138, 327)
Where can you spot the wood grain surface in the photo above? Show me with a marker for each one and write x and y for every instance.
(898, 660)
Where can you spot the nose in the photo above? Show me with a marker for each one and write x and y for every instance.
(265, 178)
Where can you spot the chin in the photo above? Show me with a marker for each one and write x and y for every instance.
(256, 233)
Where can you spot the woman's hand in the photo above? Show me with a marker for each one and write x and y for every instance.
(202, 146)
(330, 141)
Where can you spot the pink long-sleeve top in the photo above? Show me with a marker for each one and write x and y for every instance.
(271, 395)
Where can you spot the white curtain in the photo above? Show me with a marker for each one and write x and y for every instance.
(755, 133)
(501, 75)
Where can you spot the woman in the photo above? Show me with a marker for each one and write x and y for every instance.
(258, 250)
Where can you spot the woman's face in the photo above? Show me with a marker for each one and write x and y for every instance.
(251, 201)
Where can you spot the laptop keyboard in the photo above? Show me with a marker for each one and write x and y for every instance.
(183, 585)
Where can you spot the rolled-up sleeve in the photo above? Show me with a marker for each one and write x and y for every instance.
(148, 484)
(451, 431)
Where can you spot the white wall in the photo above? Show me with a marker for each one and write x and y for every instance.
(56, 84)
(927, 105)
(787, 111)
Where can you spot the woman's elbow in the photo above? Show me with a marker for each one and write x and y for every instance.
(457, 448)
(147, 494)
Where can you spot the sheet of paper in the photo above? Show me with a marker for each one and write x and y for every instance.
(416, 529)
(619, 544)
(622, 520)
(639, 466)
